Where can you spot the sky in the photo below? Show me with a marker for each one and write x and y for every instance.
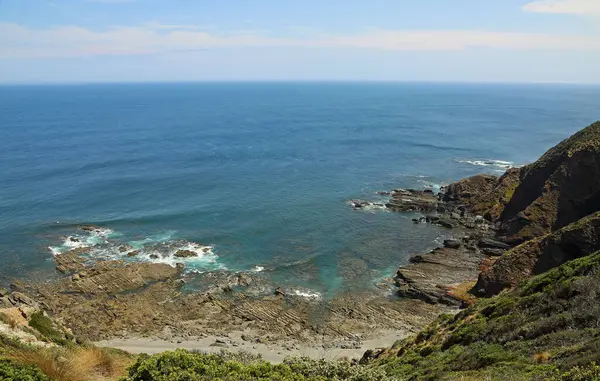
(48, 41)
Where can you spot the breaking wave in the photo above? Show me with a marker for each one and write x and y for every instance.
(106, 244)
(490, 163)
(307, 294)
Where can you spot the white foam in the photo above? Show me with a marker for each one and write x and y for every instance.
(88, 238)
(205, 256)
(157, 238)
(159, 248)
(431, 185)
(258, 269)
(307, 294)
(490, 163)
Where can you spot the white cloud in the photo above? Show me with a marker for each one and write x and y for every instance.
(159, 26)
(576, 7)
(18, 41)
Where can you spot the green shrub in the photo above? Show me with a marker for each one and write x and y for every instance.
(45, 326)
(587, 373)
(13, 372)
(182, 365)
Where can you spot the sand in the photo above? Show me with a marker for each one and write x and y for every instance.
(273, 352)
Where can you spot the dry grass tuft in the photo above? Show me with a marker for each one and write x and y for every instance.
(461, 292)
(541, 358)
(80, 364)
(9, 320)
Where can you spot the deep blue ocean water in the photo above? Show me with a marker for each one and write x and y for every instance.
(261, 172)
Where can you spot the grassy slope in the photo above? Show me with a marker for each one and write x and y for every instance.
(547, 327)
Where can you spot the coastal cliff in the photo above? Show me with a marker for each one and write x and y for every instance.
(544, 323)
(537, 217)
(551, 212)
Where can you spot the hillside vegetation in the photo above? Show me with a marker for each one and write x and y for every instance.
(546, 328)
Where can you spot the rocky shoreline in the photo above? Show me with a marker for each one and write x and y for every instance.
(123, 300)
(117, 300)
(446, 274)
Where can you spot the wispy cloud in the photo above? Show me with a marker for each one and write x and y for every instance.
(160, 26)
(576, 7)
(18, 41)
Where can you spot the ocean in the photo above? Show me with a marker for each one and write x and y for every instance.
(255, 177)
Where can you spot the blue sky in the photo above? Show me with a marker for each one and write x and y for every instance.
(192, 40)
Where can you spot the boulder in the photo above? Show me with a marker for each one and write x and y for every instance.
(243, 280)
(452, 243)
(445, 223)
(492, 252)
(5, 302)
(22, 299)
(492, 244)
(279, 291)
(89, 228)
(432, 219)
(359, 204)
(185, 254)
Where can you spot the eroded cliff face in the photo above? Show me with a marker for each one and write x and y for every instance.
(541, 254)
(483, 195)
(547, 208)
(557, 190)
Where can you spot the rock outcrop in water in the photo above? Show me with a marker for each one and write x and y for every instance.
(542, 205)
(483, 195)
(431, 277)
(544, 248)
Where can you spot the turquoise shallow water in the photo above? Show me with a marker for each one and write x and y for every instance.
(255, 174)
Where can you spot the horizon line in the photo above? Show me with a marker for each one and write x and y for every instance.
(297, 81)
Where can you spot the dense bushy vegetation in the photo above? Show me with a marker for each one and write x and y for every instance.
(182, 365)
(45, 326)
(548, 328)
(10, 371)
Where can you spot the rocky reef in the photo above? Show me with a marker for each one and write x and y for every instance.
(541, 249)
(547, 207)
(116, 299)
